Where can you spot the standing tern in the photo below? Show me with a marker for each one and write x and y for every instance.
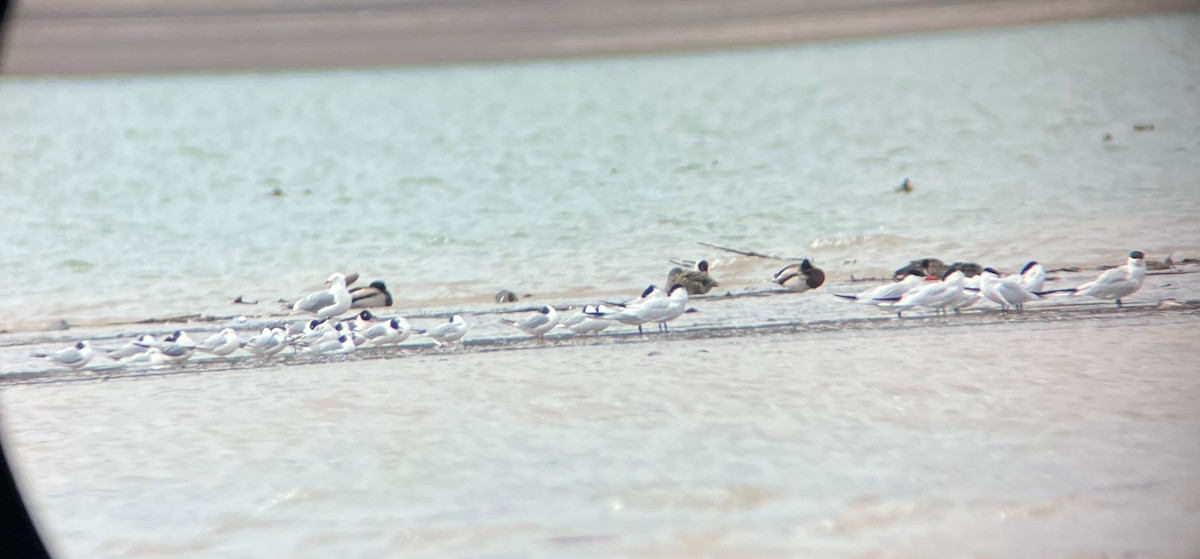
(1119, 282)
(1008, 291)
(448, 332)
(538, 323)
(935, 296)
(891, 292)
(1033, 276)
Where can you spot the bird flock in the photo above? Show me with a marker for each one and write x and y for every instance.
(926, 283)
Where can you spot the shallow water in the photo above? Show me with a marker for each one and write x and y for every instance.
(787, 425)
(1047, 438)
(132, 197)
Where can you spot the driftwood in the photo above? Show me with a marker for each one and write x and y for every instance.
(747, 252)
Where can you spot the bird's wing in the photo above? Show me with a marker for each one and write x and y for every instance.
(536, 321)
(314, 302)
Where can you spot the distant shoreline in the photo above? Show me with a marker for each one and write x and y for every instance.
(76, 37)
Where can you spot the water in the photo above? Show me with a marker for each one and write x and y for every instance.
(132, 197)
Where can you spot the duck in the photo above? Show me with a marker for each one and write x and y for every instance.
(696, 282)
(800, 277)
(374, 295)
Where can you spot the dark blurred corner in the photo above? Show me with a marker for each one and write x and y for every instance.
(134, 36)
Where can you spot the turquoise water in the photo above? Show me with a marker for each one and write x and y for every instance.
(143, 196)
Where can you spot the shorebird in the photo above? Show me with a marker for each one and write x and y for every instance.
(1007, 291)
(132, 348)
(652, 303)
(890, 293)
(448, 332)
(538, 323)
(1033, 276)
(585, 321)
(222, 343)
(1119, 282)
(392, 331)
(935, 296)
(267, 343)
(73, 357)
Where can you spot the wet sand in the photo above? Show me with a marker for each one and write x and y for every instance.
(76, 36)
(1047, 436)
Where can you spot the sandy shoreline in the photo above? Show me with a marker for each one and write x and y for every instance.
(75, 37)
(1048, 438)
(745, 315)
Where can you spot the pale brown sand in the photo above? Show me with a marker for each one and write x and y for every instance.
(1022, 439)
(118, 36)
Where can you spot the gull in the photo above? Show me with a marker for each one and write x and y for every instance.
(800, 277)
(448, 332)
(538, 323)
(583, 322)
(391, 331)
(132, 348)
(374, 295)
(1119, 282)
(72, 357)
(327, 302)
(697, 282)
(222, 343)
(1033, 276)
(267, 343)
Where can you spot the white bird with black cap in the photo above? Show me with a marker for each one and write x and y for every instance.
(538, 323)
(73, 357)
(1119, 282)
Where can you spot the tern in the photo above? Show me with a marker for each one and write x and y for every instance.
(448, 332)
(73, 357)
(391, 331)
(585, 321)
(1033, 277)
(538, 323)
(222, 343)
(1119, 282)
